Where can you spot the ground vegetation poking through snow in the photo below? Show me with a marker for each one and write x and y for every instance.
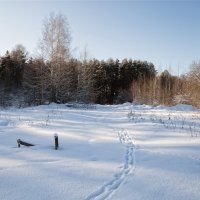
(178, 120)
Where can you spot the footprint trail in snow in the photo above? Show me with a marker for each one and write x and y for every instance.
(108, 189)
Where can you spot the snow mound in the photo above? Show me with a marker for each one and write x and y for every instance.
(178, 107)
(183, 107)
(124, 106)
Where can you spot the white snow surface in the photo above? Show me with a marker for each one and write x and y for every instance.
(119, 152)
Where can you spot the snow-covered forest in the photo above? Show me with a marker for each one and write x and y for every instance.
(54, 75)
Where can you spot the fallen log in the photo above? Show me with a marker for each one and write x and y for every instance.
(20, 142)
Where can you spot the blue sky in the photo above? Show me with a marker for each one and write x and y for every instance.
(166, 33)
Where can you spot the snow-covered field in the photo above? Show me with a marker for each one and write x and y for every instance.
(119, 152)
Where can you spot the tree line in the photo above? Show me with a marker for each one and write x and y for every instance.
(37, 81)
(55, 76)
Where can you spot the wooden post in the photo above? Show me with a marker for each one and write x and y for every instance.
(18, 142)
(56, 141)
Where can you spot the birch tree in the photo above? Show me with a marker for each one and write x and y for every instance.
(55, 50)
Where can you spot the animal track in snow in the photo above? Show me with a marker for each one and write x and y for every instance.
(107, 190)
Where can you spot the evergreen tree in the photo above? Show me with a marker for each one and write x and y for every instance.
(34, 82)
